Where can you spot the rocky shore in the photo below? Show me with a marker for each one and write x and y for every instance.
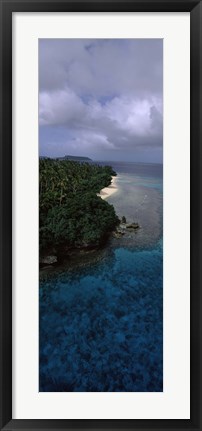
(54, 257)
(124, 227)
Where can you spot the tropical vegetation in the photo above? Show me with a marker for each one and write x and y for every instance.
(70, 212)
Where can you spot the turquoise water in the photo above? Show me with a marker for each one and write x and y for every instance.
(101, 325)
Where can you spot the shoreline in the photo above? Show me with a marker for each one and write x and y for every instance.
(110, 190)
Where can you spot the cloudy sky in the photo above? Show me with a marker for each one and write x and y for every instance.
(101, 98)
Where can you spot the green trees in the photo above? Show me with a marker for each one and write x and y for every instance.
(71, 213)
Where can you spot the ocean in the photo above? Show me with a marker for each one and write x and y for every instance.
(101, 324)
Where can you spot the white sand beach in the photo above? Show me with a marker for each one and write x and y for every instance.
(108, 191)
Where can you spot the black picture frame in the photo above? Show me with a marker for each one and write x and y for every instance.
(7, 7)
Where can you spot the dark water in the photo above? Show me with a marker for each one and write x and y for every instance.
(101, 325)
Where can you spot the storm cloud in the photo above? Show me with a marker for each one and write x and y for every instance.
(101, 98)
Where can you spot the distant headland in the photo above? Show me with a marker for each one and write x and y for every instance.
(68, 157)
(76, 158)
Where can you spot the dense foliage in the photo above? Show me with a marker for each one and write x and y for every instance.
(70, 212)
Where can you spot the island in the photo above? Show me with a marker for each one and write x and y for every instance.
(76, 158)
(71, 214)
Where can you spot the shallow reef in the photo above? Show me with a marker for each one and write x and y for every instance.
(101, 327)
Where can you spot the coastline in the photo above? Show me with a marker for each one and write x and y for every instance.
(110, 190)
(78, 238)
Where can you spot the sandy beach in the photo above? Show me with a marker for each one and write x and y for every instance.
(108, 191)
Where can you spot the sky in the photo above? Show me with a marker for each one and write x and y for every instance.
(101, 98)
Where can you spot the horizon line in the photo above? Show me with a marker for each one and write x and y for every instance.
(101, 160)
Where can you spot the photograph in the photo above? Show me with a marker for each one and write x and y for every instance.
(100, 129)
(100, 229)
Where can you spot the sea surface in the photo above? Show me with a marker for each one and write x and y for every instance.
(101, 324)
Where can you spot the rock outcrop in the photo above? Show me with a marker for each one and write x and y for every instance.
(48, 260)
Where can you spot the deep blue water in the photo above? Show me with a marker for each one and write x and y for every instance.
(101, 325)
